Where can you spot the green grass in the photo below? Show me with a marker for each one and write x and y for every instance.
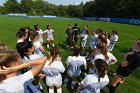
(127, 34)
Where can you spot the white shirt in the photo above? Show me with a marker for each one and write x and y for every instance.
(31, 57)
(53, 66)
(101, 56)
(85, 37)
(91, 83)
(49, 33)
(93, 41)
(114, 38)
(17, 84)
(108, 42)
(74, 63)
(40, 32)
(37, 48)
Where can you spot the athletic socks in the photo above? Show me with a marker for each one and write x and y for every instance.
(66, 81)
(52, 45)
(73, 84)
(113, 88)
(51, 90)
(48, 46)
(59, 90)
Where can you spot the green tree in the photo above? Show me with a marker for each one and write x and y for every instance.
(75, 11)
(27, 6)
(11, 6)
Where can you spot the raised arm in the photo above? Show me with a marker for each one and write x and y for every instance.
(37, 66)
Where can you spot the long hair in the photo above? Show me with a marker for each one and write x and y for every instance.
(103, 48)
(102, 38)
(101, 67)
(22, 47)
(53, 53)
(33, 35)
(6, 59)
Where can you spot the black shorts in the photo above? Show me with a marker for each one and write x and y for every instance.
(123, 72)
(69, 42)
(76, 38)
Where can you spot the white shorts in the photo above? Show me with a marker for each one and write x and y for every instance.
(111, 46)
(54, 80)
(83, 43)
(70, 73)
(50, 38)
(92, 46)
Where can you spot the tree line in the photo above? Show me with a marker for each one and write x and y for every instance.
(94, 8)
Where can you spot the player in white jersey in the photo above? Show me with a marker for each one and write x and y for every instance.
(92, 83)
(74, 64)
(20, 36)
(55, 66)
(84, 39)
(10, 81)
(102, 53)
(26, 50)
(50, 36)
(93, 40)
(39, 49)
(113, 40)
(40, 32)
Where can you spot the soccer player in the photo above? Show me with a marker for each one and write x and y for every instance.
(76, 31)
(74, 64)
(26, 50)
(39, 49)
(55, 66)
(10, 64)
(40, 32)
(84, 40)
(49, 32)
(69, 37)
(113, 40)
(92, 83)
(131, 62)
(93, 40)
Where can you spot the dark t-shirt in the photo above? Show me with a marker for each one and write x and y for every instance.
(76, 31)
(134, 62)
(69, 33)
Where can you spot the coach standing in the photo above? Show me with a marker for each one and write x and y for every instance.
(76, 31)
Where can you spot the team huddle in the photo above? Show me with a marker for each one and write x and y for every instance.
(22, 70)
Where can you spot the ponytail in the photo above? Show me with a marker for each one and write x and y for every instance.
(101, 67)
(103, 49)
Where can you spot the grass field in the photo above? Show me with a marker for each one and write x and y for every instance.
(127, 34)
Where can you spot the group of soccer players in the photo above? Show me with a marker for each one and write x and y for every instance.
(21, 71)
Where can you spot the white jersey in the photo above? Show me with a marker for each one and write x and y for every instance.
(56, 78)
(114, 38)
(17, 84)
(101, 56)
(93, 41)
(49, 34)
(84, 41)
(108, 42)
(40, 32)
(30, 57)
(74, 65)
(37, 48)
(92, 85)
